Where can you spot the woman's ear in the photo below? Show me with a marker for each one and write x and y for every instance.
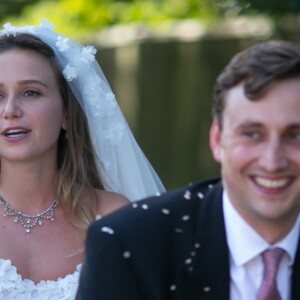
(64, 121)
(215, 140)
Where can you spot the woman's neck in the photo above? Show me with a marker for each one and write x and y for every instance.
(28, 187)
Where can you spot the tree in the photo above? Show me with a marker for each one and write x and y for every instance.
(13, 7)
(79, 17)
(273, 7)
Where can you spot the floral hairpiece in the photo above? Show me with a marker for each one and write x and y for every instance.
(9, 29)
(77, 65)
(85, 55)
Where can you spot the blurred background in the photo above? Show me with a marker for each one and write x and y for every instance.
(161, 58)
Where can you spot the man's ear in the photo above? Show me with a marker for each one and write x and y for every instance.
(215, 141)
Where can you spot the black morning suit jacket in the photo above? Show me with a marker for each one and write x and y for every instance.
(169, 247)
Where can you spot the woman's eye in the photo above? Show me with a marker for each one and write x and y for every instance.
(31, 93)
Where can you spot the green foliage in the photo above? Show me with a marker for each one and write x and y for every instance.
(77, 17)
(73, 17)
(8, 7)
(272, 7)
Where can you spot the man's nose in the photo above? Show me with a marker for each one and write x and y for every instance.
(273, 157)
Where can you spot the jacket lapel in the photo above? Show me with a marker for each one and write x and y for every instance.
(208, 276)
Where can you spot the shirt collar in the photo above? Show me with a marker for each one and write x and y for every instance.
(245, 243)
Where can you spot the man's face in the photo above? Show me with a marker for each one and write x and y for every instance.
(259, 151)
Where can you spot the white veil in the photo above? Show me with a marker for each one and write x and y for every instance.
(121, 163)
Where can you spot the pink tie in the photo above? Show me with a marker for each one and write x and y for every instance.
(268, 288)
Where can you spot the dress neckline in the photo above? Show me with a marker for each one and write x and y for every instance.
(13, 271)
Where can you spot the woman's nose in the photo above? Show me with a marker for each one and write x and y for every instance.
(11, 108)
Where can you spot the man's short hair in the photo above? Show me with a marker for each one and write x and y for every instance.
(257, 67)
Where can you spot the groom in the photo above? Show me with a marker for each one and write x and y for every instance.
(216, 239)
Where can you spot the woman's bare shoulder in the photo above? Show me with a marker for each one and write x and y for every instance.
(109, 202)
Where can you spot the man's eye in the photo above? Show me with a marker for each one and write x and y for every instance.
(252, 134)
(295, 136)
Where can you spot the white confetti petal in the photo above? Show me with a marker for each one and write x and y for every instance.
(165, 211)
(126, 254)
(173, 287)
(200, 195)
(188, 261)
(186, 218)
(145, 206)
(107, 230)
(134, 205)
(187, 195)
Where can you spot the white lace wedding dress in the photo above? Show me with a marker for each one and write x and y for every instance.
(13, 287)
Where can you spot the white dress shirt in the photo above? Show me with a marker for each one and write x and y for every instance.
(245, 246)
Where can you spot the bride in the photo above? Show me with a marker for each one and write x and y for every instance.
(67, 157)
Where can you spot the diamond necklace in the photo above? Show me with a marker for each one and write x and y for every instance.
(28, 221)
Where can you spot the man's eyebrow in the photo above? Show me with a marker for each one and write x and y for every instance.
(294, 126)
(247, 124)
